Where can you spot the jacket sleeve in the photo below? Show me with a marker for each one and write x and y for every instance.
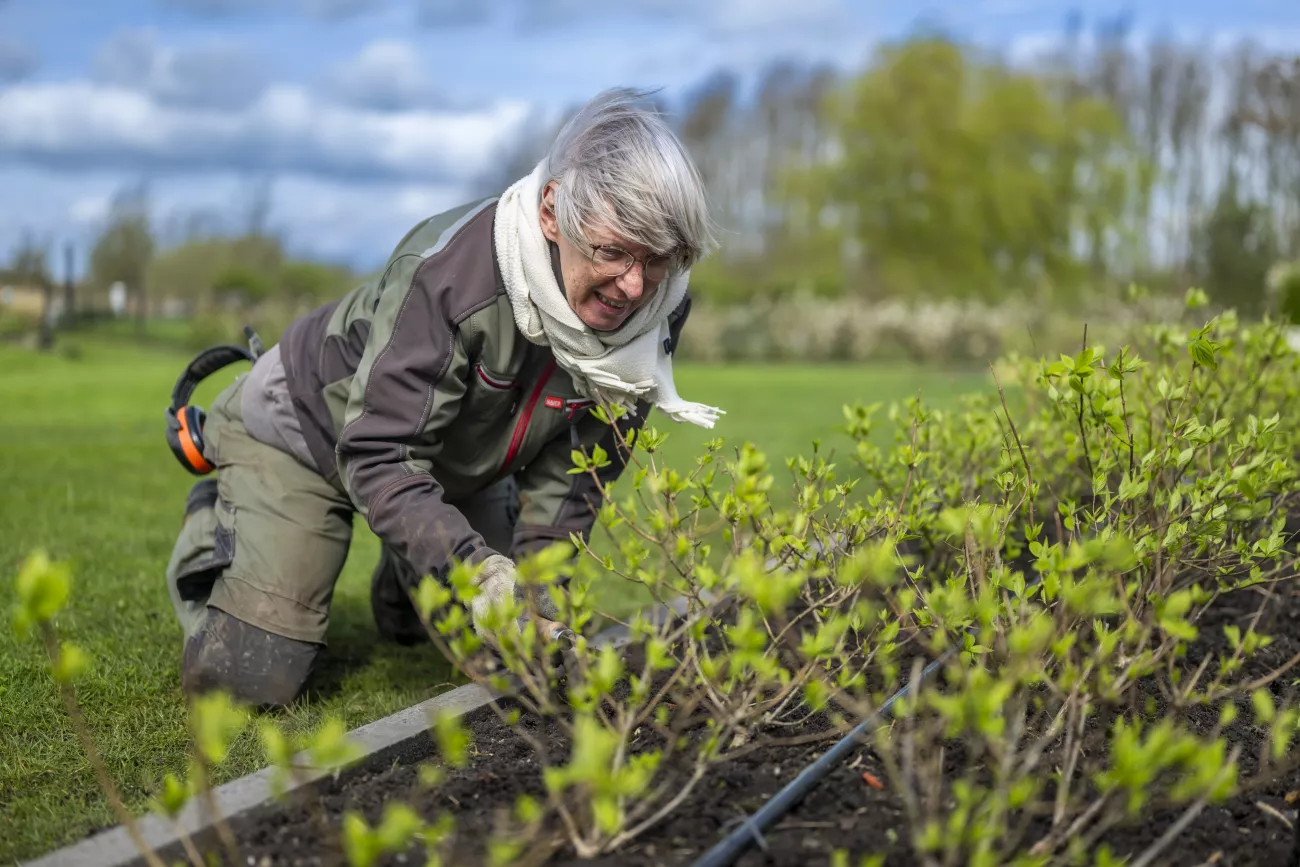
(553, 503)
(407, 390)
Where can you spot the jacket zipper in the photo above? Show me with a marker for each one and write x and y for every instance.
(521, 426)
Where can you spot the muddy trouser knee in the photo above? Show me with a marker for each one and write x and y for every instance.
(253, 570)
(492, 513)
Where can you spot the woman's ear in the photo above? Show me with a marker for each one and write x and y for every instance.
(550, 226)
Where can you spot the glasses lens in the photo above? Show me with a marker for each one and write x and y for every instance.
(656, 268)
(611, 261)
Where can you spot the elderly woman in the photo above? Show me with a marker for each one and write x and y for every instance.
(442, 401)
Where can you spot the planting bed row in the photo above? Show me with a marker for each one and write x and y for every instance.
(853, 809)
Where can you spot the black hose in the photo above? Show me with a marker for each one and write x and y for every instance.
(751, 830)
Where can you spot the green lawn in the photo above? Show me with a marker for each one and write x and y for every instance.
(85, 473)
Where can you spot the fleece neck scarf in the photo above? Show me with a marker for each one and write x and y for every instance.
(617, 367)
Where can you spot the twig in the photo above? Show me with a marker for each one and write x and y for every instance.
(1051, 841)
(1016, 435)
(1083, 436)
(1273, 811)
(659, 814)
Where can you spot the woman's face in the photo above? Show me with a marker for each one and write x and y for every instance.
(602, 302)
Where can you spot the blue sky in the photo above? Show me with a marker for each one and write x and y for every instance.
(367, 115)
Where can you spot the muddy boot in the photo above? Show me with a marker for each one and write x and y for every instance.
(394, 613)
(255, 666)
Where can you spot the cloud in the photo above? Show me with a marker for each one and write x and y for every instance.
(89, 210)
(88, 126)
(16, 60)
(212, 75)
(386, 75)
(339, 10)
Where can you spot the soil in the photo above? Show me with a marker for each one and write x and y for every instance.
(843, 812)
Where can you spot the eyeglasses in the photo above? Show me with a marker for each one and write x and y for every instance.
(610, 261)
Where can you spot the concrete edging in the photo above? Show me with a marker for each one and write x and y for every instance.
(389, 736)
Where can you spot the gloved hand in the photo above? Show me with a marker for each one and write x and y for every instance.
(496, 584)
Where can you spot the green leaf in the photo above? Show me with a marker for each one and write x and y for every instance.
(216, 721)
(331, 748)
(173, 797)
(73, 662)
(1262, 701)
(399, 826)
(453, 739)
(43, 587)
(1203, 352)
(360, 844)
(1131, 488)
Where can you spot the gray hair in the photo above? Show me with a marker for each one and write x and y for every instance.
(621, 168)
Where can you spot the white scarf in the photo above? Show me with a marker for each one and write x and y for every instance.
(617, 366)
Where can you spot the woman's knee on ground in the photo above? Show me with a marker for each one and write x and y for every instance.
(254, 666)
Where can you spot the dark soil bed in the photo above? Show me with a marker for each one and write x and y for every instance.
(844, 812)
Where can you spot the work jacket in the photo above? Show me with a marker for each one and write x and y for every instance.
(416, 389)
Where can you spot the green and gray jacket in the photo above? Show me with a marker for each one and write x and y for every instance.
(416, 390)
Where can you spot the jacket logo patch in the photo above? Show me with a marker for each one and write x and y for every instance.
(553, 402)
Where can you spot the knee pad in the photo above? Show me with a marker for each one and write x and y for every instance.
(254, 666)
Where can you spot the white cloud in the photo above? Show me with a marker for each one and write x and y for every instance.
(83, 125)
(387, 75)
(89, 209)
(1029, 47)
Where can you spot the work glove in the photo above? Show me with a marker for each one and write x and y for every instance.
(496, 585)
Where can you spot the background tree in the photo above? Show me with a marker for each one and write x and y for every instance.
(962, 176)
(29, 265)
(123, 250)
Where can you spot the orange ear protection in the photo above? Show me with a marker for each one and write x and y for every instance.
(185, 422)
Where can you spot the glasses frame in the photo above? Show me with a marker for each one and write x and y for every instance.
(645, 263)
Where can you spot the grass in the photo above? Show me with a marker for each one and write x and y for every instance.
(86, 474)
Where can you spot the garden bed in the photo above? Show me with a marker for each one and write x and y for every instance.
(847, 811)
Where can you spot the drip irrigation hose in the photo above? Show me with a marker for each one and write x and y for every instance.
(731, 847)
(750, 831)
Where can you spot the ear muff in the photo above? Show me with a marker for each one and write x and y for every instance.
(185, 438)
(184, 421)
